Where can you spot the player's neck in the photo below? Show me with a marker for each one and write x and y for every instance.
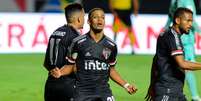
(74, 26)
(96, 36)
(176, 28)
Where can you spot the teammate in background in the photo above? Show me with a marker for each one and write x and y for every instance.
(122, 10)
(169, 65)
(188, 41)
(95, 57)
(62, 89)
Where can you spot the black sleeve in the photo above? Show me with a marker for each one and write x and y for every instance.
(174, 44)
(64, 46)
(112, 58)
(51, 53)
(72, 53)
(63, 49)
(68, 38)
(46, 63)
(61, 55)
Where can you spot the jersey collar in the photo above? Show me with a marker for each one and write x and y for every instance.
(88, 34)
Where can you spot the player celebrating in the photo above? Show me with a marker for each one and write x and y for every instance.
(62, 89)
(95, 57)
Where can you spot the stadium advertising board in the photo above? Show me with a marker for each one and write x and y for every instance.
(29, 32)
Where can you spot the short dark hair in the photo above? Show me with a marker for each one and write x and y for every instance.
(71, 9)
(179, 12)
(92, 10)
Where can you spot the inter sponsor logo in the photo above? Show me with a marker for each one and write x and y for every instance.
(95, 65)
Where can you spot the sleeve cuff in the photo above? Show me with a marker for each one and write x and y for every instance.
(113, 63)
(71, 61)
(176, 52)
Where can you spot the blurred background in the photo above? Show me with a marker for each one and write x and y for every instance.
(25, 26)
(146, 6)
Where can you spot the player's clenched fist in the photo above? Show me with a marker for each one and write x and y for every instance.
(55, 72)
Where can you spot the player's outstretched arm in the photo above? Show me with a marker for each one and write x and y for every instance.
(187, 65)
(67, 69)
(114, 75)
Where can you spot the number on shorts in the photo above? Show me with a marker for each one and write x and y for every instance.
(110, 98)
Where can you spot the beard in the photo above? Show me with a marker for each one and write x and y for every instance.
(96, 30)
(184, 31)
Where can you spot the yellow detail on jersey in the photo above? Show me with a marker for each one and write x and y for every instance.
(121, 4)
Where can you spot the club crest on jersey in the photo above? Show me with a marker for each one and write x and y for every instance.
(106, 53)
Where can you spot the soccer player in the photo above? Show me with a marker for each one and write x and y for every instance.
(188, 41)
(122, 10)
(169, 65)
(95, 57)
(62, 89)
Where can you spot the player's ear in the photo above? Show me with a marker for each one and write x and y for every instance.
(178, 20)
(79, 19)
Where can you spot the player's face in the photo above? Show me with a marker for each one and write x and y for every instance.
(97, 20)
(186, 22)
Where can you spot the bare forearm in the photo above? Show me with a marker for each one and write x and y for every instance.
(191, 65)
(187, 65)
(67, 69)
(114, 75)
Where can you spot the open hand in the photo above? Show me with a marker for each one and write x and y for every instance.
(131, 89)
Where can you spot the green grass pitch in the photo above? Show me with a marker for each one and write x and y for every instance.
(22, 77)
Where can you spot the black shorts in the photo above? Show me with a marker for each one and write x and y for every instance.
(169, 94)
(59, 90)
(85, 96)
(94, 98)
(124, 16)
(169, 97)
